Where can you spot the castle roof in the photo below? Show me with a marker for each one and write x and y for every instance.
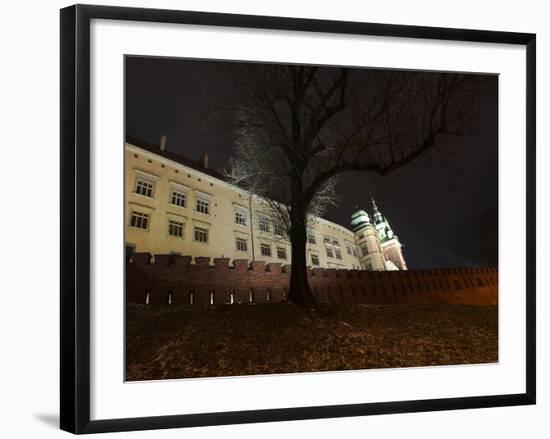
(175, 157)
(198, 166)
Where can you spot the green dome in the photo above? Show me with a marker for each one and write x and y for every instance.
(359, 220)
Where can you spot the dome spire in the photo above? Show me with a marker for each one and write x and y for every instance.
(377, 215)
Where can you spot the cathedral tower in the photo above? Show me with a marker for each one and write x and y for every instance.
(391, 246)
(366, 238)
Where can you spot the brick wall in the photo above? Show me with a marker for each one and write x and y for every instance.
(176, 279)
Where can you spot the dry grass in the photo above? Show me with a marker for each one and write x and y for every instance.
(176, 342)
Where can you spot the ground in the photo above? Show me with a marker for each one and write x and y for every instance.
(177, 342)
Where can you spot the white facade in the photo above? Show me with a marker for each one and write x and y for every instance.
(177, 206)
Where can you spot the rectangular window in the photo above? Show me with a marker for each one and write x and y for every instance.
(139, 220)
(178, 198)
(326, 240)
(364, 250)
(264, 224)
(281, 252)
(241, 244)
(315, 260)
(349, 249)
(311, 237)
(335, 243)
(337, 253)
(279, 230)
(144, 187)
(175, 228)
(203, 206)
(265, 249)
(240, 217)
(201, 234)
(130, 250)
(330, 253)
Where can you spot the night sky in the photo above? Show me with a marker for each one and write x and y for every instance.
(444, 216)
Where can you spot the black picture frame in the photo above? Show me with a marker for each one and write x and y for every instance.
(75, 217)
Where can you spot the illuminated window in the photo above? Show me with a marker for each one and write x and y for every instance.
(240, 217)
(315, 260)
(264, 224)
(364, 250)
(175, 228)
(203, 206)
(139, 220)
(130, 250)
(241, 244)
(178, 198)
(337, 253)
(328, 247)
(311, 237)
(265, 249)
(281, 252)
(144, 187)
(279, 230)
(349, 249)
(201, 234)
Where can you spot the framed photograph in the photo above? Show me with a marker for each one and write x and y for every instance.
(268, 219)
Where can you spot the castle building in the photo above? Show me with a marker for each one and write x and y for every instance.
(367, 240)
(175, 205)
(391, 247)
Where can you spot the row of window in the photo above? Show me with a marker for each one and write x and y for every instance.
(265, 250)
(332, 248)
(140, 220)
(178, 197)
(264, 224)
(351, 250)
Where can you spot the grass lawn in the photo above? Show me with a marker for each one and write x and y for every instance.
(178, 342)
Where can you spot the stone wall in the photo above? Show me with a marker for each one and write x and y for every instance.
(168, 279)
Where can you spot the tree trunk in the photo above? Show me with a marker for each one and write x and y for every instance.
(299, 291)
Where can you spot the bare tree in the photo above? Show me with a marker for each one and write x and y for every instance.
(298, 127)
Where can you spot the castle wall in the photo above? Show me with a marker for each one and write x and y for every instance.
(177, 280)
